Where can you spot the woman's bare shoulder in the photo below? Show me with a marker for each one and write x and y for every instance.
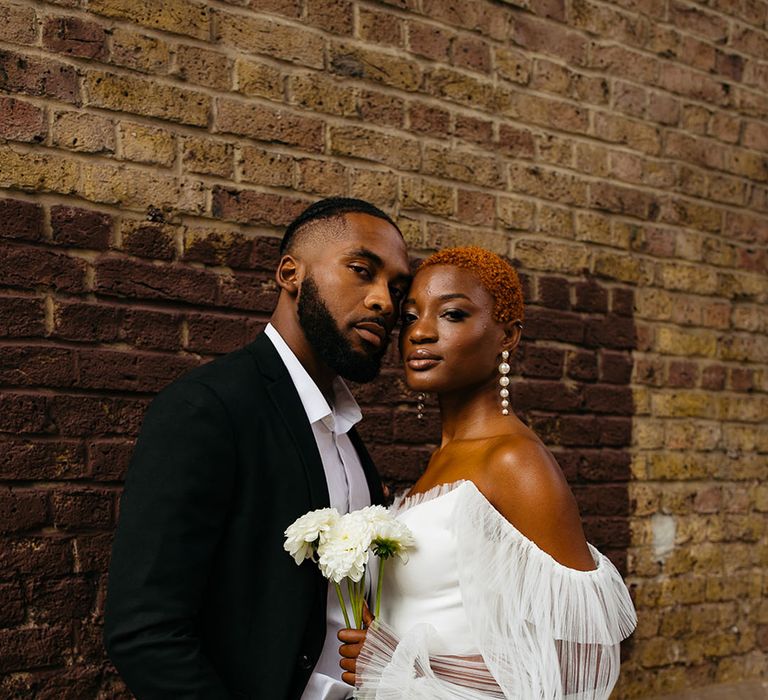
(522, 480)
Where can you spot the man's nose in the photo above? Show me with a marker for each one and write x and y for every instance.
(379, 299)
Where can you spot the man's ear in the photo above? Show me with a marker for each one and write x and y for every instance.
(288, 274)
(513, 331)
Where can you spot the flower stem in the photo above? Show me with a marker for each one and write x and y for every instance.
(343, 605)
(352, 590)
(379, 583)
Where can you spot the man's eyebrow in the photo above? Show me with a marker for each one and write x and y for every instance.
(365, 253)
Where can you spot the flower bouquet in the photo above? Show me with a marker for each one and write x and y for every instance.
(341, 545)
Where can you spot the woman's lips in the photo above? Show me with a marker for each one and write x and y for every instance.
(421, 360)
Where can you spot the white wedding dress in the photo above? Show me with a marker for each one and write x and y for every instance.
(479, 612)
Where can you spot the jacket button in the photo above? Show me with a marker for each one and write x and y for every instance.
(305, 662)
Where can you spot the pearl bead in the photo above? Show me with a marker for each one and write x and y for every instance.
(503, 393)
(504, 412)
(504, 381)
(504, 403)
(504, 368)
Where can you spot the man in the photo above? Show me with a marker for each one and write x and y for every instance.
(203, 602)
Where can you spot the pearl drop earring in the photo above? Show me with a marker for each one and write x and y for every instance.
(504, 382)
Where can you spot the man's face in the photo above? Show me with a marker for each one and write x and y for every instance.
(349, 299)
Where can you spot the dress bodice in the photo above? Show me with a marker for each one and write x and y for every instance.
(426, 589)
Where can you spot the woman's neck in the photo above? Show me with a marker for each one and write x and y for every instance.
(472, 415)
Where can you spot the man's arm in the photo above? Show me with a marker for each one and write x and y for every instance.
(172, 513)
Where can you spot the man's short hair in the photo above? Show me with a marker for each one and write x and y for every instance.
(330, 208)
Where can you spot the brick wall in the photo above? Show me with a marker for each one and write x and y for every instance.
(151, 151)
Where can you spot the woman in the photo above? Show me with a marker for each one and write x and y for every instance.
(502, 597)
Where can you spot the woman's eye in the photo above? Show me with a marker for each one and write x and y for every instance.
(455, 315)
(397, 293)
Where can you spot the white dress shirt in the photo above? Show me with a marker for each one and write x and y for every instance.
(347, 488)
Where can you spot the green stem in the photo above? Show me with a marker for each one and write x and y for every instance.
(379, 584)
(352, 590)
(343, 605)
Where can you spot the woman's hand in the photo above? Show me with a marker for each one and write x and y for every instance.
(353, 641)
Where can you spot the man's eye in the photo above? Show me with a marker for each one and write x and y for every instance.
(397, 293)
(361, 270)
(408, 318)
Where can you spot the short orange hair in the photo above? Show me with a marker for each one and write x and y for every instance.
(495, 274)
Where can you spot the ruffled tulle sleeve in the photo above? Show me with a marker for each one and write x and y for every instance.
(542, 630)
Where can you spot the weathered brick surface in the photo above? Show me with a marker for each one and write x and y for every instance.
(616, 152)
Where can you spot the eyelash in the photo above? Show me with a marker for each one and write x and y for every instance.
(452, 315)
(363, 271)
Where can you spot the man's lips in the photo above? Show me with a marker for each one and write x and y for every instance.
(371, 332)
(421, 359)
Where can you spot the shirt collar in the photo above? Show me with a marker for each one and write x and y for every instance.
(345, 411)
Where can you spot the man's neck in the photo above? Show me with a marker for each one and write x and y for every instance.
(293, 335)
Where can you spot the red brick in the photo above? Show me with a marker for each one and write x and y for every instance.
(590, 296)
(742, 379)
(615, 367)
(152, 330)
(13, 610)
(81, 228)
(554, 292)
(230, 249)
(24, 413)
(146, 239)
(21, 121)
(82, 509)
(472, 53)
(602, 500)
(75, 37)
(30, 460)
(90, 416)
(32, 268)
(250, 292)
(61, 600)
(611, 332)
(381, 27)
(36, 366)
(604, 398)
(545, 37)
(36, 76)
(582, 366)
(87, 322)
(29, 647)
(215, 334)
(429, 41)
(334, 16)
(599, 465)
(543, 362)
(428, 119)
(476, 208)
(623, 301)
(682, 374)
(578, 431)
(123, 277)
(545, 396)
(381, 109)
(18, 25)
(22, 317)
(549, 324)
(38, 556)
(516, 142)
(470, 14)
(115, 369)
(22, 509)
(615, 432)
(249, 207)
(20, 219)
(108, 459)
(475, 130)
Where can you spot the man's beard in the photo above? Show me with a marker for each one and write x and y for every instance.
(323, 334)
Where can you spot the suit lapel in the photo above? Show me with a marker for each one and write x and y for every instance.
(288, 405)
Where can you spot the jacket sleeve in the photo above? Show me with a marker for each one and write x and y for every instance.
(172, 514)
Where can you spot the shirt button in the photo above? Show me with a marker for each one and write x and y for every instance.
(305, 662)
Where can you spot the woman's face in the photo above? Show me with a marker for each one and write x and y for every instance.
(449, 340)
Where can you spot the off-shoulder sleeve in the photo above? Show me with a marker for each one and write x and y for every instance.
(543, 631)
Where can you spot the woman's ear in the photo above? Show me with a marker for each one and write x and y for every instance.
(513, 331)
(288, 274)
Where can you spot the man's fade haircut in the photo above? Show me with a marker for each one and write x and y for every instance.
(330, 208)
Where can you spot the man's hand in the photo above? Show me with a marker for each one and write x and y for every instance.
(353, 641)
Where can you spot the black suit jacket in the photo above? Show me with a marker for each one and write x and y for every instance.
(203, 602)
